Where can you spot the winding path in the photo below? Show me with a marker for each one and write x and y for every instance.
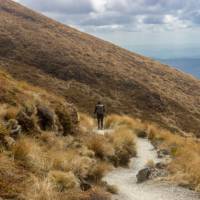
(125, 180)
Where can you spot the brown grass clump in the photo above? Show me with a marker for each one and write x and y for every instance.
(114, 121)
(28, 151)
(40, 190)
(86, 122)
(64, 119)
(3, 131)
(12, 177)
(99, 171)
(185, 153)
(101, 146)
(63, 181)
(123, 141)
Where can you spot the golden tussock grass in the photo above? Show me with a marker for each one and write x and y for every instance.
(63, 181)
(123, 141)
(41, 189)
(12, 177)
(29, 152)
(101, 146)
(113, 121)
(86, 122)
(100, 170)
(3, 130)
(185, 153)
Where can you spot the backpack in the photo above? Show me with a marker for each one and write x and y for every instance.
(100, 109)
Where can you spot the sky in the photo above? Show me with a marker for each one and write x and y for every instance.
(155, 28)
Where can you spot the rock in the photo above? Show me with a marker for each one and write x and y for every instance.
(158, 173)
(160, 165)
(46, 118)
(143, 175)
(162, 153)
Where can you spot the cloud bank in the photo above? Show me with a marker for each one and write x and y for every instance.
(125, 15)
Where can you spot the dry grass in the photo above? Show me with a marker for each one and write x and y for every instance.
(28, 151)
(131, 82)
(185, 153)
(96, 194)
(99, 171)
(63, 181)
(86, 122)
(40, 190)
(12, 177)
(3, 131)
(101, 146)
(114, 121)
(123, 141)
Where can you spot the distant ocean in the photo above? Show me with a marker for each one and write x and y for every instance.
(188, 65)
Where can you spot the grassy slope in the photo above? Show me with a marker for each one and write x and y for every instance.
(53, 158)
(44, 164)
(83, 68)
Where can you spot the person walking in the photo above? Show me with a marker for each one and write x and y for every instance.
(100, 113)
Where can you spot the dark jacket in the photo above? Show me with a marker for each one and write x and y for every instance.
(99, 109)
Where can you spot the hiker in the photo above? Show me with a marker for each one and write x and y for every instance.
(100, 112)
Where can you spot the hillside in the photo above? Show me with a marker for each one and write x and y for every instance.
(83, 69)
(46, 154)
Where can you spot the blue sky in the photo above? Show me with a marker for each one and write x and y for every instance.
(156, 28)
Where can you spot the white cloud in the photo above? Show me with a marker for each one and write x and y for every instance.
(121, 14)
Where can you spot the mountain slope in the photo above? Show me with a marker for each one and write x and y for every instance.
(83, 69)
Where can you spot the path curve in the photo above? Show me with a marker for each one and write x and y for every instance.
(125, 180)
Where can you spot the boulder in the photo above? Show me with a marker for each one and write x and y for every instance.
(143, 175)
